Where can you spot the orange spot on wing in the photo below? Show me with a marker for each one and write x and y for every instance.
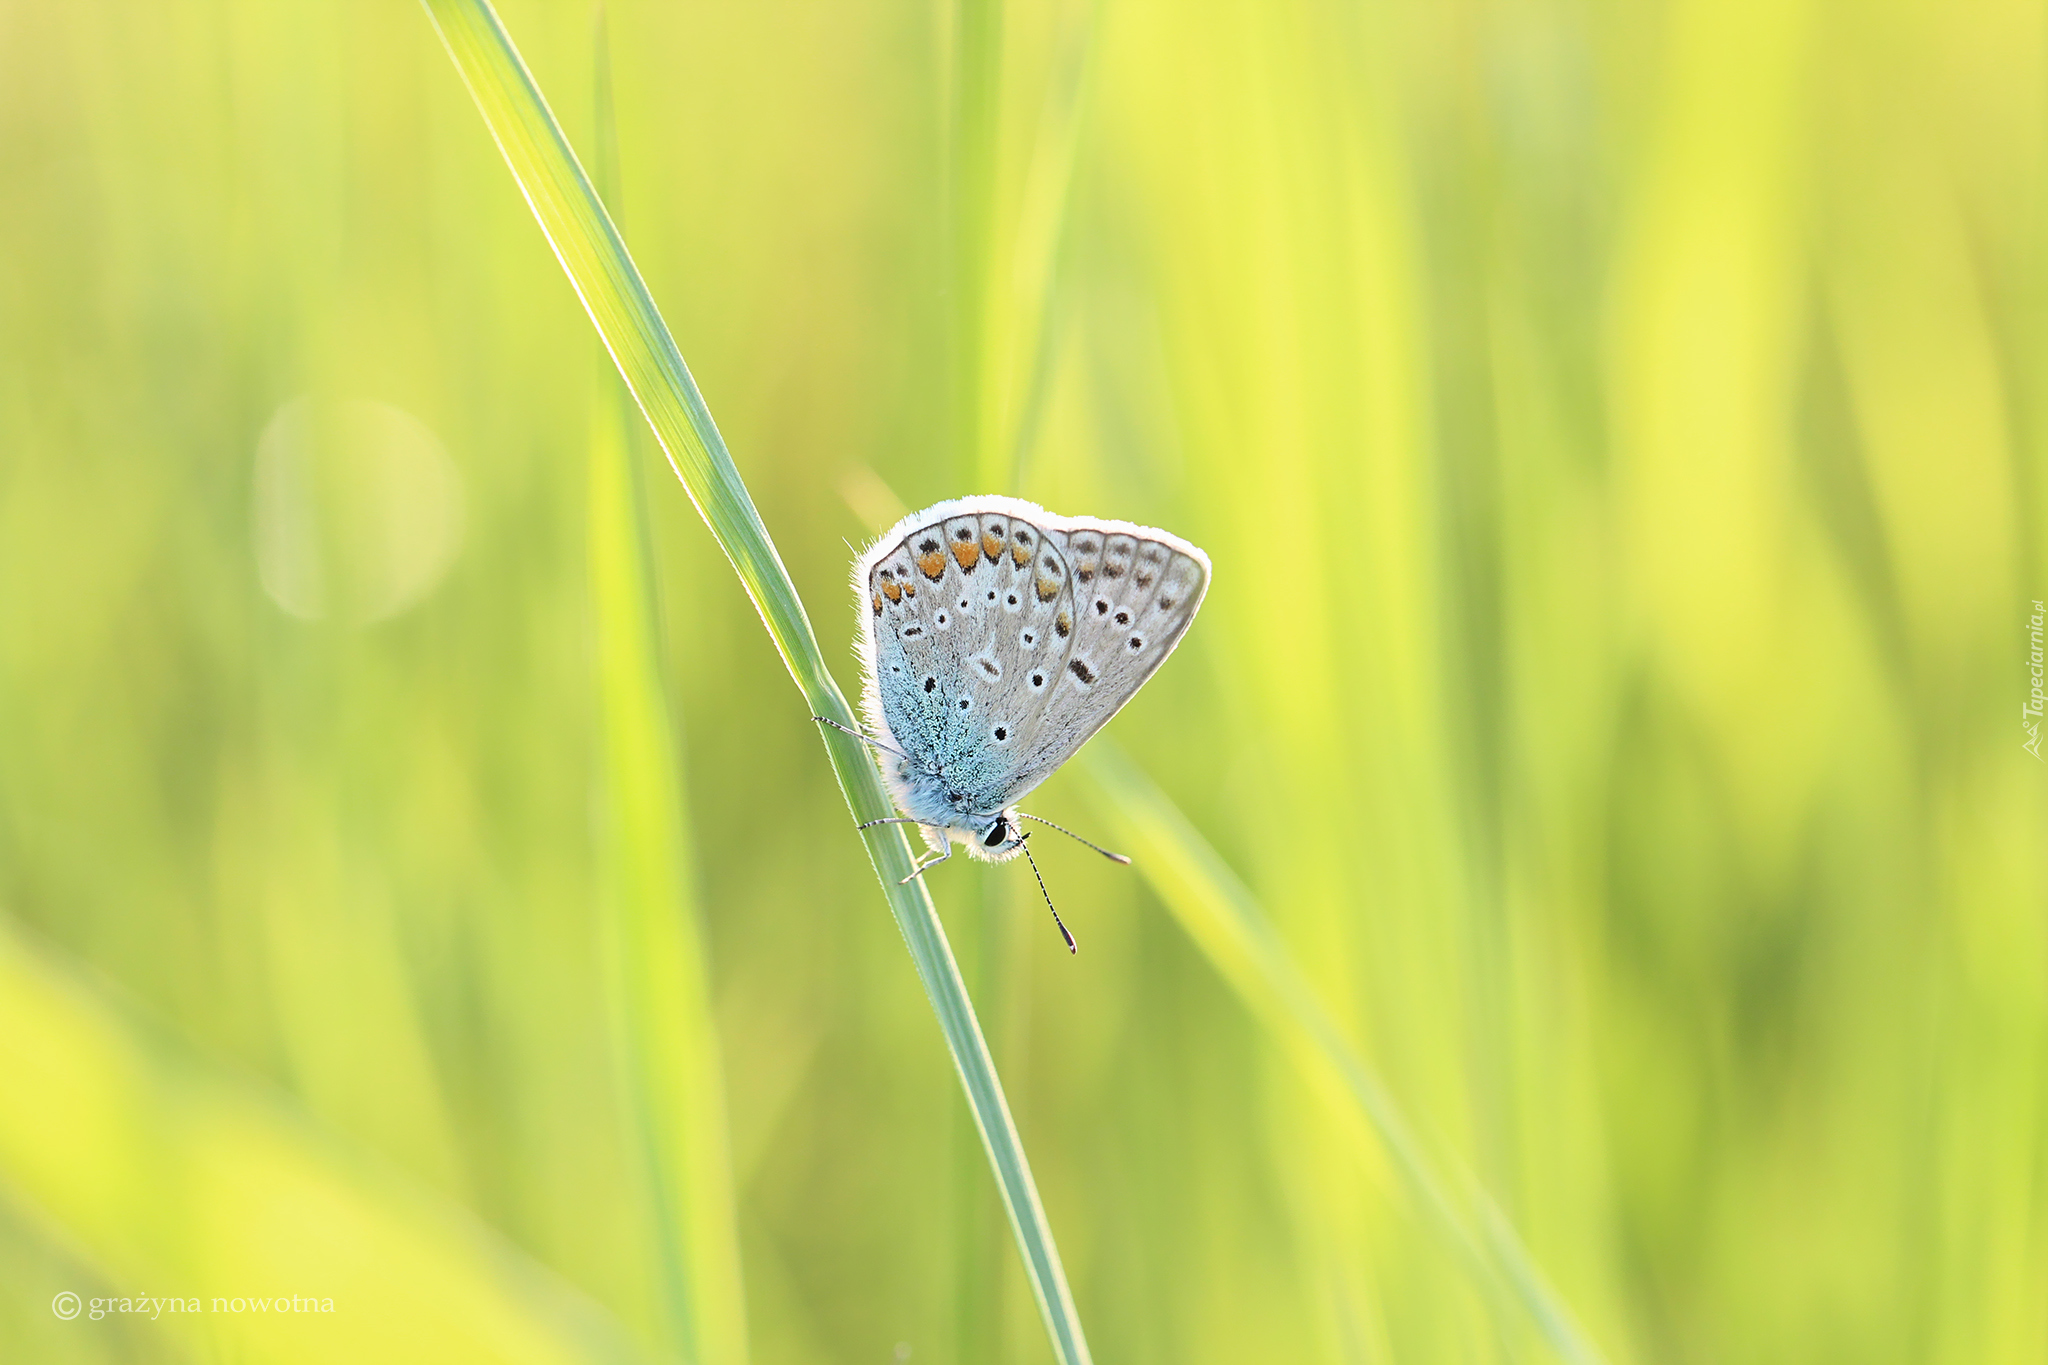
(967, 553)
(1048, 588)
(991, 546)
(893, 591)
(931, 564)
(1020, 555)
(878, 604)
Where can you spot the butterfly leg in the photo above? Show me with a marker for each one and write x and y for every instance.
(862, 736)
(890, 820)
(921, 865)
(928, 864)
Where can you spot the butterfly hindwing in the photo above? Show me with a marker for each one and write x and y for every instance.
(1133, 595)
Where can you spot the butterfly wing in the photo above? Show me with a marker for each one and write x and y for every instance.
(1130, 593)
(998, 637)
(962, 640)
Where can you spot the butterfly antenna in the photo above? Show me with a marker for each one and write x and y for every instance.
(1072, 947)
(1113, 857)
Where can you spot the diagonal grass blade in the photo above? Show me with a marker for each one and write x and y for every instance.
(1220, 915)
(665, 1037)
(591, 252)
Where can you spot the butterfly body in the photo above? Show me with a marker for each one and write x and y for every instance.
(996, 638)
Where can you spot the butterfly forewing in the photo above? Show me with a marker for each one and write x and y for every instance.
(963, 617)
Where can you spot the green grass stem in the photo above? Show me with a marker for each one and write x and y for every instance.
(593, 255)
(656, 969)
(973, 154)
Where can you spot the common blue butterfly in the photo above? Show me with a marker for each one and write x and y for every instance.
(996, 638)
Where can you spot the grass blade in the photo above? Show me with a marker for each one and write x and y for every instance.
(974, 146)
(609, 285)
(166, 1177)
(1030, 326)
(656, 970)
(654, 951)
(1219, 913)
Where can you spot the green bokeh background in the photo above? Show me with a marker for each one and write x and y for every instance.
(1618, 430)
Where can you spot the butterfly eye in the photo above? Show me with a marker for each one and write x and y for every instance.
(997, 832)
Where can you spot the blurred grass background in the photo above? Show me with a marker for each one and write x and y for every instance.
(1618, 431)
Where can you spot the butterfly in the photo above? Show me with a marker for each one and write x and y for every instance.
(995, 639)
